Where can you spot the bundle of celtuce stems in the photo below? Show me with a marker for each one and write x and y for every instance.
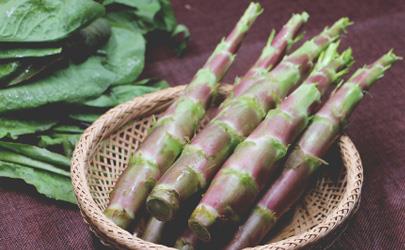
(223, 170)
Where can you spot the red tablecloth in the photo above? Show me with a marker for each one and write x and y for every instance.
(30, 221)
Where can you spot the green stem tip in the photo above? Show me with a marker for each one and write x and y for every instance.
(251, 13)
(341, 24)
(297, 18)
(389, 58)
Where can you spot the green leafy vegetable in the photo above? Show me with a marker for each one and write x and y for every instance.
(123, 93)
(52, 185)
(73, 84)
(89, 117)
(71, 63)
(125, 52)
(181, 35)
(86, 41)
(153, 15)
(36, 153)
(45, 20)
(123, 63)
(68, 129)
(146, 10)
(167, 20)
(10, 156)
(35, 68)
(7, 69)
(14, 127)
(67, 141)
(21, 52)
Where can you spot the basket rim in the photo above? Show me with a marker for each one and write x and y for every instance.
(111, 234)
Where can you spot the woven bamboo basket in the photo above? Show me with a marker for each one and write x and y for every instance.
(102, 155)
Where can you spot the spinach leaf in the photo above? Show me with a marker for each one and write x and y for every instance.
(12, 157)
(116, 95)
(151, 16)
(123, 63)
(125, 54)
(65, 140)
(148, 15)
(45, 20)
(123, 93)
(78, 47)
(21, 52)
(34, 69)
(73, 84)
(63, 128)
(13, 127)
(180, 35)
(37, 153)
(8, 69)
(85, 42)
(52, 185)
(167, 20)
(88, 117)
(144, 9)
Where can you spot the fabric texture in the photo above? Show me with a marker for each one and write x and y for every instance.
(30, 221)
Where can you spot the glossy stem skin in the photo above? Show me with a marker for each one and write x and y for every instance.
(305, 159)
(245, 174)
(167, 232)
(174, 129)
(153, 231)
(187, 241)
(237, 118)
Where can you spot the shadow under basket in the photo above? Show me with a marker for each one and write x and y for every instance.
(103, 151)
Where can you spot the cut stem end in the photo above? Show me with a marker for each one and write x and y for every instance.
(202, 220)
(200, 230)
(120, 217)
(163, 204)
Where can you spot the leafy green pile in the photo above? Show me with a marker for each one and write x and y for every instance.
(62, 64)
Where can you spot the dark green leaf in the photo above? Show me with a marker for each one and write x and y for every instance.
(125, 51)
(54, 186)
(77, 47)
(67, 141)
(123, 93)
(68, 129)
(34, 69)
(85, 117)
(180, 35)
(8, 69)
(12, 128)
(149, 15)
(58, 138)
(167, 16)
(73, 84)
(37, 153)
(124, 19)
(21, 52)
(146, 9)
(87, 40)
(12, 157)
(144, 81)
(125, 57)
(45, 20)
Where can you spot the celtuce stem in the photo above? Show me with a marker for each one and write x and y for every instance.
(235, 188)
(186, 241)
(172, 131)
(305, 159)
(237, 118)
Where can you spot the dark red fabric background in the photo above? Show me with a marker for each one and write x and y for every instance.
(30, 221)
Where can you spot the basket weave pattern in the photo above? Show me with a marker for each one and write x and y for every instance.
(103, 151)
